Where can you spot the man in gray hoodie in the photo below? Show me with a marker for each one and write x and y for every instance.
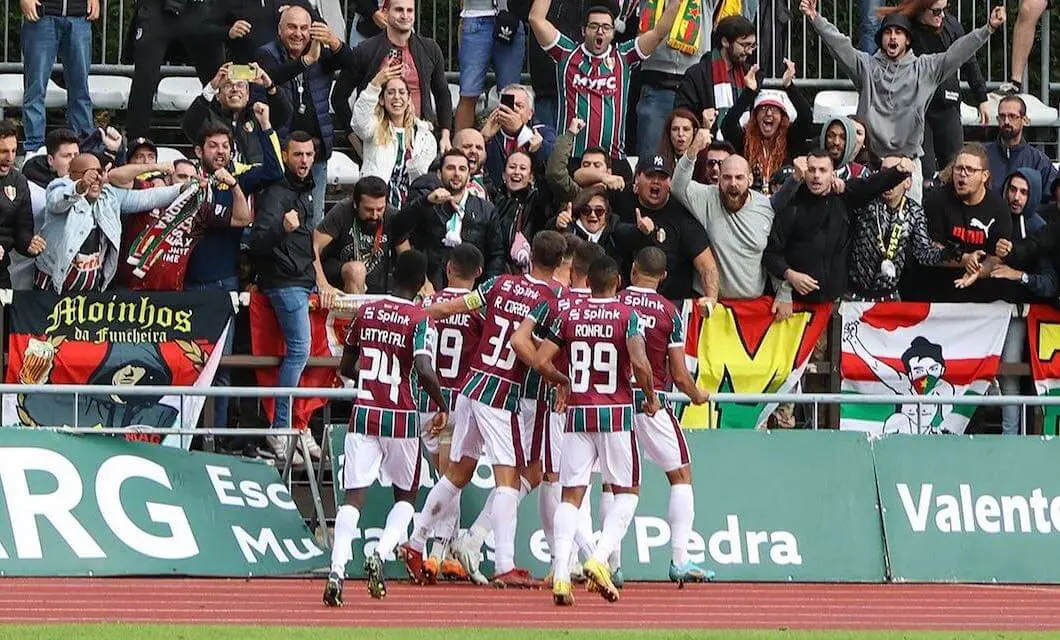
(896, 85)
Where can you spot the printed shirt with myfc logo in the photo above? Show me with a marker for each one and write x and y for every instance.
(497, 375)
(594, 89)
(389, 333)
(594, 335)
(458, 340)
(663, 330)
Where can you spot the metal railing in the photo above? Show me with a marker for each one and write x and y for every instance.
(439, 19)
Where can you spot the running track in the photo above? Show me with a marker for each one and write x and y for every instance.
(651, 605)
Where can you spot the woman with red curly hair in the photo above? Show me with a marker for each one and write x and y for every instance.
(773, 136)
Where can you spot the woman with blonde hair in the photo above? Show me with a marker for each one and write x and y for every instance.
(397, 146)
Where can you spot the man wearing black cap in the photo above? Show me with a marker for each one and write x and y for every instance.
(593, 77)
(895, 84)
(142, 151)
(668, 225)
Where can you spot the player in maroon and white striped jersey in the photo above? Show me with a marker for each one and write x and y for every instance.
(660, 436)
(389, 351)
(603, 342)
(488, 417)
(458, 341)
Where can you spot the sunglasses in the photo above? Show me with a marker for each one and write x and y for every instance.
(713, 162)
(937, 12)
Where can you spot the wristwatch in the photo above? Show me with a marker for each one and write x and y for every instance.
(1025, 279)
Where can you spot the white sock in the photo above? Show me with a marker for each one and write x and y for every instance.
(681, 514)
(438, 501)
(397, 527)
(547, 500)
(483, 524)
(565, 524)
(505, 514)
(345, 527)
(583, 537)
(607, 504)
(614, 527)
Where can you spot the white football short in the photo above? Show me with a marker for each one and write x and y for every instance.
(388, 460)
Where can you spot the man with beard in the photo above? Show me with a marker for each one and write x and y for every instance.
(448, 216)
(593, 77)
(896, 85)
(16, 211)
(1010, 151)
(716, 80)
(282, 245)
(809, 242)
(885, 235)
(667, 225)
(473, 144)
(834, 137)
(354, 246)
(225, 101)
(737, 219)
(965, 213)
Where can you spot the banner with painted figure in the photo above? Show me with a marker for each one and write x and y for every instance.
(1043, 339)
(741, 348)
(328, 332)
(119, 338)
(910, 348)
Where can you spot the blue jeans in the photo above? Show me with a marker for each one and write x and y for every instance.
(653, 109)
(868, 24)
(478, 49)
(291, 306)
(1015, 342)
(320, 187)
(71, 40)
(223, 376)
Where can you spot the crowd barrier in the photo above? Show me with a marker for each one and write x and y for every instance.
(770, 506)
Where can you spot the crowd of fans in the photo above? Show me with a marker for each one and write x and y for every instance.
(735, 183)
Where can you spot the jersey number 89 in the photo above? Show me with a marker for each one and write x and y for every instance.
(601, 357)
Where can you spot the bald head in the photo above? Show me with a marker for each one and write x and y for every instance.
(294, 30)
(735, 164)
(83, 162)
(471, 142)
(735, 182)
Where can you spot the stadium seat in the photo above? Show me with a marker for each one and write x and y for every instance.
(177, 93)
(342, 170)
(1038, 113)
(830, 104)
(492, 101)
(454, 94)
(969, 115)
(12, 94)
(109, 92)
(632, 160)
(169, 154)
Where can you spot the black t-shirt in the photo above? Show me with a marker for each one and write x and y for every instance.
(354, 241)
(967, 227)
(682, 239)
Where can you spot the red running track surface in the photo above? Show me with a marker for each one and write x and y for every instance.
(644, 605)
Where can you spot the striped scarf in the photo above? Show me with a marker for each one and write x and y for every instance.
(155, 240)
(726, 88)
(686, 33)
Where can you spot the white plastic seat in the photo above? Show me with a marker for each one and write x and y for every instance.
(832, 104)
(632, 160)
(1038, 113)
(169, 154)
(12, 93)
(177, 94)
(969, 115)
(109, 92)
(342, 170)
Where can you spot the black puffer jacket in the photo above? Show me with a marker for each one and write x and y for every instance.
(284, 259)
(525, 211)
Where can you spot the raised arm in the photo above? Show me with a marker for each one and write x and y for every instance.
(962, 49)
(649, 40)
(843, 50)
(545, 32)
